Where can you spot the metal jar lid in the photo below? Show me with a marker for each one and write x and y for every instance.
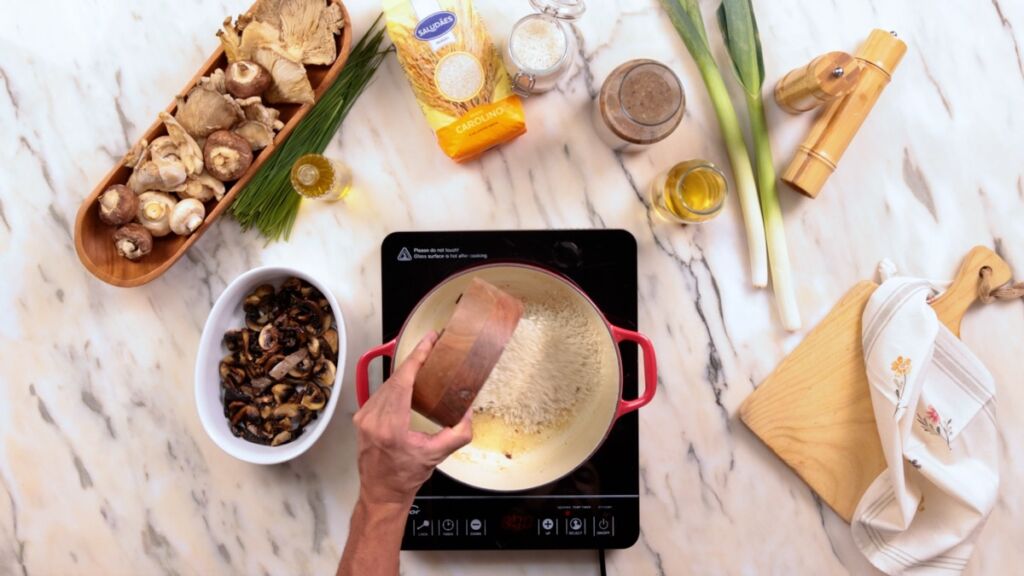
(561, 9)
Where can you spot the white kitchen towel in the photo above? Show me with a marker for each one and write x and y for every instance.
(934, 406)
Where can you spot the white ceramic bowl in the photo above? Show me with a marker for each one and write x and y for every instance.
(226, 315)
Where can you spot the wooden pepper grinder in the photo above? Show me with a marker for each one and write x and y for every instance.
(826, 78)
(817, 156)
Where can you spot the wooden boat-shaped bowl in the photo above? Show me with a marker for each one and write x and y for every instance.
(94, 240)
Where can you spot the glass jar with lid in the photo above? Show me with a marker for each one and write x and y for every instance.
(640, 103)
(542, 45)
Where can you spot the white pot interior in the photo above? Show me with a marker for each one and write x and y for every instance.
(539, 458)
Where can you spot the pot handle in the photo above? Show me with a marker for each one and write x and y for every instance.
(650, 370)
(363, 369)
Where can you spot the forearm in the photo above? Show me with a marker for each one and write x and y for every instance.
(374, 539)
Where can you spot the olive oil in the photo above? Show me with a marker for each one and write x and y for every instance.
(317, 177)
(690, 192)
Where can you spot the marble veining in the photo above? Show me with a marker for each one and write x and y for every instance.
(104, 466)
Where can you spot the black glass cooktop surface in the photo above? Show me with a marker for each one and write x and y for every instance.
(598, 505)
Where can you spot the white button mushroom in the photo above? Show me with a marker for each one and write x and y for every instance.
(155, 212)
(187, 216)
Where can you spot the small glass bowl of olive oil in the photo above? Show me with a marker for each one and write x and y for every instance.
(317, 177)
(690, 192)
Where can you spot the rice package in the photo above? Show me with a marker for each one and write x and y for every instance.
(456, 74)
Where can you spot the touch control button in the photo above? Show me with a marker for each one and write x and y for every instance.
(448, 527)
(423, 528)
(575, 526)
(547, 527)
(476, 527)
(604, 526)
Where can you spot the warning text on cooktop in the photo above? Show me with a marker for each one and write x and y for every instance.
(410, 254)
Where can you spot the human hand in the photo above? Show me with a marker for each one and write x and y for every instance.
(393, 460)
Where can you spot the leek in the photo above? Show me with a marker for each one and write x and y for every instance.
(739, 29)
(685, 16)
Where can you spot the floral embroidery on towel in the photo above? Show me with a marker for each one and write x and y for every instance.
(900, 368)
(931, 422)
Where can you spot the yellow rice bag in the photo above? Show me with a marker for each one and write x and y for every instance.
(456, 74)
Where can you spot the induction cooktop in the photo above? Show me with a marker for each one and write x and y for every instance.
(598, 505)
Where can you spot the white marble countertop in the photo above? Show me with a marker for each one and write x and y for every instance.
(105, 469)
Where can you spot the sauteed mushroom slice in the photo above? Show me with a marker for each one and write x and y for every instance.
(260, 384)
(307, 315)
(282, 392)
(307, 418)
(233, 340)
(281, 438)
(247, 412)
(314, 348)
(304, 367)
(289, 410)
(232, 374)
(314, 399)
(269, 337)
(330, 337)
(258, 307)
(324, 372)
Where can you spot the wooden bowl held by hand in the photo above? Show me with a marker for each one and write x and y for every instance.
(467, 350)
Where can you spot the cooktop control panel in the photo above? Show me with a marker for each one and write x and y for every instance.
(522, 523)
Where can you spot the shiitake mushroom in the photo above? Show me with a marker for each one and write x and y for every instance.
(226, 155)
(279, 370)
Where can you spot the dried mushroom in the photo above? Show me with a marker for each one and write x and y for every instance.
(256, 134)
(255, 111)
(204, 111)
(290, 83)
(227, 155)
(203, 187)
(279, 370)
(245, 79)
(216, 81)
(307, 27)
(189, 152)
(136, 155)
(118, 205)
(167, 162)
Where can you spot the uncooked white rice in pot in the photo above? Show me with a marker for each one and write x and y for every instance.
(551, 364)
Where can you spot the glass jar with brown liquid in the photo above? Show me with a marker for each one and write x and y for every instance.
(690, 192)
(640, 103)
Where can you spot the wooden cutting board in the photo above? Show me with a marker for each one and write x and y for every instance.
(814, 411)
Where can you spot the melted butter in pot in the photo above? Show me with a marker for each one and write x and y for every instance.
(492, 434)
